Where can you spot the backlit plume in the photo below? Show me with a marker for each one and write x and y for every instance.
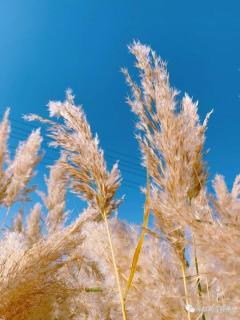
(58, 261)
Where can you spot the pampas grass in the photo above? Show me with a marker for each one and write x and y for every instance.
(99, 267)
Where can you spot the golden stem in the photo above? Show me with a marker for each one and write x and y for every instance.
(185, 287)
(115, 267)
(140, 241)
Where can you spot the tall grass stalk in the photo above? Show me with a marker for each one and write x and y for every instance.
(183, 268)
(124, 316)
(140, 241)
(199, 286)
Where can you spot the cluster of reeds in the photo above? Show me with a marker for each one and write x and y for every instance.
(184, 266)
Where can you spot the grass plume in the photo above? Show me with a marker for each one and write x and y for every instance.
(97, 266)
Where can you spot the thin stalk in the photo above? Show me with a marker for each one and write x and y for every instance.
(210, 213)
(183, 267)
(94, 289)
(115, 267)
(4, 219)
(208, 290)
(199, 287)
(140, 241)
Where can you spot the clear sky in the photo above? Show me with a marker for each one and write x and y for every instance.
(49, 45)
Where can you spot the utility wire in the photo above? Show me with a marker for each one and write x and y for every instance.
(122, 166)
(126, 182)
(127, 166)
(128, 159)
(124, 163)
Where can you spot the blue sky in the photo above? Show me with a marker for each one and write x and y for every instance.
(48, 46)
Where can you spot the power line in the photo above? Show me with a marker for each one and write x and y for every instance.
(124, 163)
(126, 156)
(126, 182)
(122, 167)
(131, 161)
(127, 166)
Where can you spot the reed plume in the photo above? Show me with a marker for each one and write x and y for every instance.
(54, 200)
(21, 169)
(99, 267)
